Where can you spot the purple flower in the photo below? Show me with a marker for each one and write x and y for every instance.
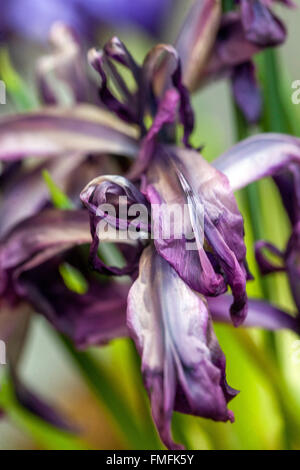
(174, 283)
(213, 45)
(82, 15)
(182, 363)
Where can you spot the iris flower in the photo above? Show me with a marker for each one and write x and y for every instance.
(175, 293)
(168, 312)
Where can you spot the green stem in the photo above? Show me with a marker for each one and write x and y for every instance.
(252, 198)
(289, 406)
(275, 118)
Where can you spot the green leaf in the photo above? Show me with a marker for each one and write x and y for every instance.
(47, 436)
(16, 87)
(59, 198)
(73, 279)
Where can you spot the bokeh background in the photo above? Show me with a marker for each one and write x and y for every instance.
(263, 367)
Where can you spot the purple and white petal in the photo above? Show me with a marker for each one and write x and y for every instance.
(53, 132)
(258, 157)
(182, 363)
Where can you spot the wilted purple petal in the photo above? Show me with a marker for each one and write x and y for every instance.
(38, 239)
(127, 111)
(266, 266)
(119, 193)
(182, 179)
(261, 314)
(292, 262)
(26, 192)
(165, 117)
(288, 183)
(246, 91)
(260, 25)
(88, 319)
(258, 157)
(161, 71)
(182, 363)
(53, 132)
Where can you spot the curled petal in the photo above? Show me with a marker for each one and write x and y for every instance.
(125, 111)
(165, 116)
(162, 70)
(108, 199)
(231, 48)
(261, 314)
(266, 266)
(116, 49)
(53, 132)
(182, 363)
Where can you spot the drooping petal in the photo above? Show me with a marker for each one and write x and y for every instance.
(161, 72)
(26, 192)
(38, 239)
(260, 25)
(246, 91)
(261, 314)
(288, 183)
(206, 248)
(231, 49)
(266, 266)
(53, 132)
(127, 111)
(292, 262)
(258, 157)
(197, 38)
(182, 363)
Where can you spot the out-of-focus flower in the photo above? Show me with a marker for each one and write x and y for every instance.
(85, 16)
(213, 45)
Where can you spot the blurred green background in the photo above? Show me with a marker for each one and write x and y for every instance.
(260, 365)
